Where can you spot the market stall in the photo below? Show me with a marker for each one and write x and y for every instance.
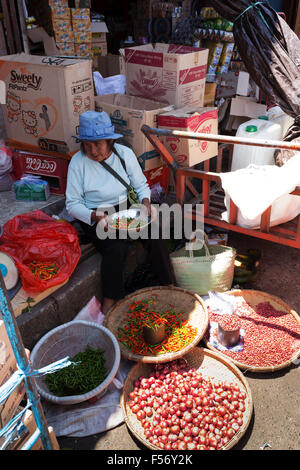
(168, 361)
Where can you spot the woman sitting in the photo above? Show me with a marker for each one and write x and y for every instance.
(92, 191)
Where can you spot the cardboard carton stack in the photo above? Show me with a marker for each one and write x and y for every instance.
(62, 27)
(99, 42)
(173, 75)
(72, 29)
(82, 29)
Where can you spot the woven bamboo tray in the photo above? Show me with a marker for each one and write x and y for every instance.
(209, 364)
(190, 304)
(254, 297)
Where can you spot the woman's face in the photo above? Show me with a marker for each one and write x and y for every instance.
(98, 150)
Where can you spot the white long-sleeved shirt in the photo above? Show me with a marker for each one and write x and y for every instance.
(90, 185)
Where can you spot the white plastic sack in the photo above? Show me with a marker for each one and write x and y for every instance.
(255, 188)
(109, 85)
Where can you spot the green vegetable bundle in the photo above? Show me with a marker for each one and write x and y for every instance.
(87, 372)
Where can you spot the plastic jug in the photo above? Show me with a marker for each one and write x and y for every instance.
(244, 155)
(276, 114)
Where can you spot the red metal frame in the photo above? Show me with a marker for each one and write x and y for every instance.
(286, 234)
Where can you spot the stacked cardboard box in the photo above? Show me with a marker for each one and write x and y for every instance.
(72, 29)
(82, 30)
(99, 42)
(62, 27)
(174, 75)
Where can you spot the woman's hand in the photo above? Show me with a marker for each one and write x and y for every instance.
(102, 218)
(147, 205)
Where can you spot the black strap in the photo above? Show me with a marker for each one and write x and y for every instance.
(114, 173)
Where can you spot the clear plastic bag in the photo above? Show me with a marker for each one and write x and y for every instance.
(91, 312)
(109, 85)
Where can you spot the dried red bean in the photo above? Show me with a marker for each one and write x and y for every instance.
(271, 336)
(229, 322)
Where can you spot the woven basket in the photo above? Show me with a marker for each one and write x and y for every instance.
(208, 363)
(254, 297)
(204, 270)
(190, 304)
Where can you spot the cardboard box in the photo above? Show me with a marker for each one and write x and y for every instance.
(128, 114)
(30, 427)
(83, 50)
(99, 27)
(58, 3)
(59, 12)
(159, 175)
(98, 37)
(80, 14)
(235, 83)
(64, 36)
(83, 37)
(42, 114)
(40, 35)
(189, 152)
(210, 94)
(66, 48)
(7, 357)
(108, 65)
(82, 26)
(8, 408)
(168, 73)
(62, 25)
(99, 49)
(247, 107)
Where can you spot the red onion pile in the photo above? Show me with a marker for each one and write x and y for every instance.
(179, 409)
(271, 337)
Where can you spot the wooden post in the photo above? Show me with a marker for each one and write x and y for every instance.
(7, 23)
(23, 27)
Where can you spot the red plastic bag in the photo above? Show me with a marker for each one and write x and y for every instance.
(35, 236)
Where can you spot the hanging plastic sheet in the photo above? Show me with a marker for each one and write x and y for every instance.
(271, 52)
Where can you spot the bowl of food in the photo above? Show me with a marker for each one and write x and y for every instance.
(130, 220)
(95, 356)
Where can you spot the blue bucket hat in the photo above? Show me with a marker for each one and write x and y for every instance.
(95, 126)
